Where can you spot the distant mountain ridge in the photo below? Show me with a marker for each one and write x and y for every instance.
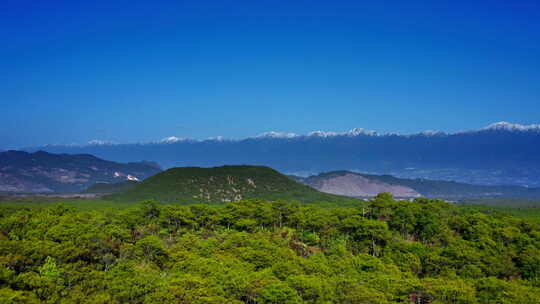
(366, 185)
(499, 126)
(221, 184)
(43, 172)
(501, 153)
(355, 185)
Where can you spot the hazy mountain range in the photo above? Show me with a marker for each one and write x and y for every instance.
(366, 185)
(499, 154)
(42, 172)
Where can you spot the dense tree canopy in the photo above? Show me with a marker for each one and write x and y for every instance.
(255, 251)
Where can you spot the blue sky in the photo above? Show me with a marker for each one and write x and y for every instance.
(130, 71)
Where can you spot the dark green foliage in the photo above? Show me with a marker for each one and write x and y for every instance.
(257, 251)
(520, 207)
(222, 184)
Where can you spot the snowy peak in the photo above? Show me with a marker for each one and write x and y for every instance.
(361, 131)
(432, 133)
(97, 142)
(322, 134)
(352, 132)
(273, 134)
(507, 126)
(217, 138)
(172, 139)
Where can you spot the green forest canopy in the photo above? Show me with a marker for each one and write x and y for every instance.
(256, 251)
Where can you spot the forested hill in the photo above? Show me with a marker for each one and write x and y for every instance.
(222, 184)
(382, 251)
(42, 172)
(360, 184)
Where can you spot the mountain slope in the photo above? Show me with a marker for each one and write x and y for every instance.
(42, 172)
(221, 184)
(498, 154)
(355, 184)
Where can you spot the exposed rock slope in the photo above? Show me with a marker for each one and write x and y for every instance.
(366, 185)
(356, 185)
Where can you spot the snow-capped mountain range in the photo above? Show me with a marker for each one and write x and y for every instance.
(501, 153)
(499, 126)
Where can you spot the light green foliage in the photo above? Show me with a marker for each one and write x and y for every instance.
(49, 270)
(256, 251)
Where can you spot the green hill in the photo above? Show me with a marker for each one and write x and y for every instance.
(111, 187)
(222, 184)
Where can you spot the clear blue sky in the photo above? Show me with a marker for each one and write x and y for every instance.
(72, 71)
